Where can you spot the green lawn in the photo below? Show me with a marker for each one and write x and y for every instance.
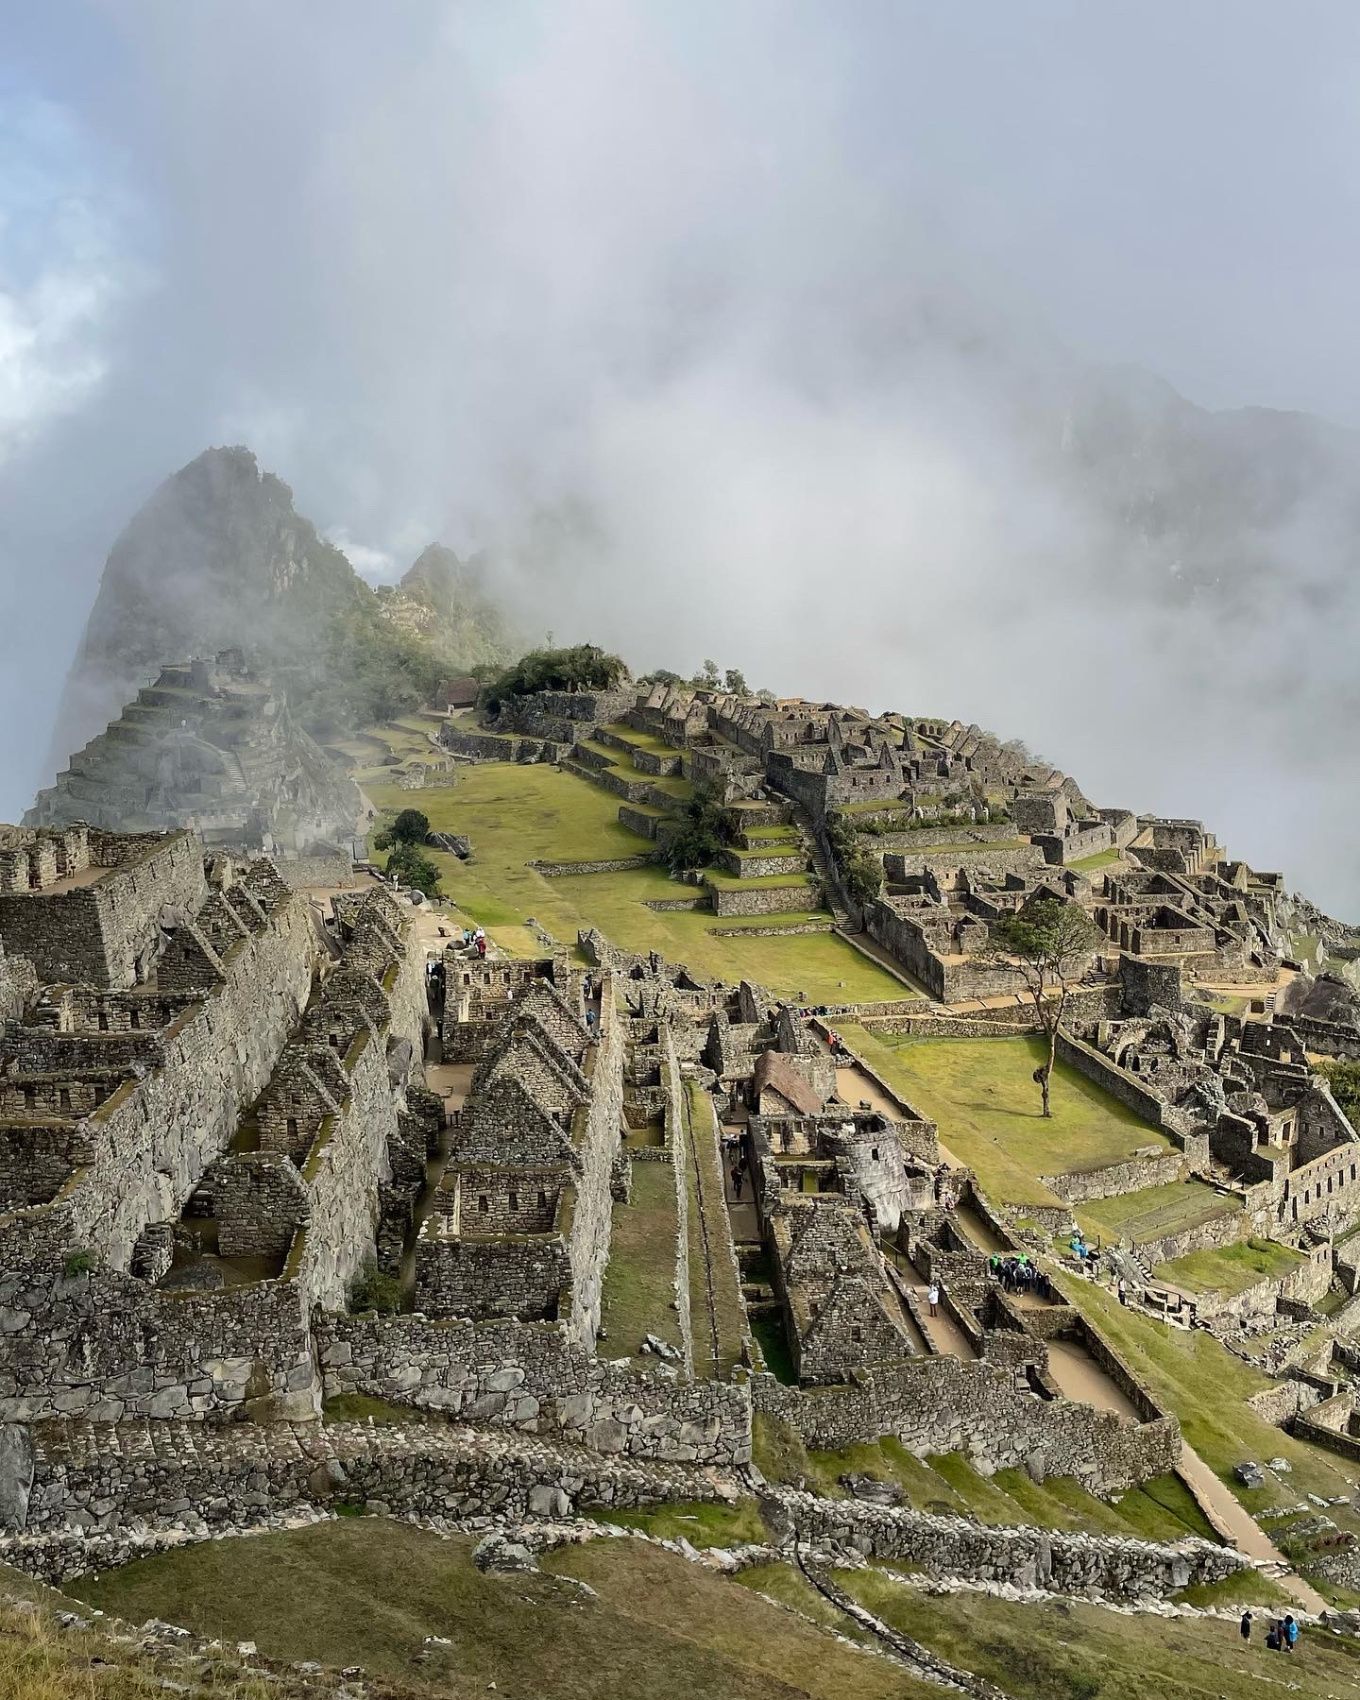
(1101, 859)
(516, 814)
(1229, 1269)
(717, 1274)
(1155, 1211)
(1069, 1650)
(981, 1095)
(639, 1281)
(370, 1592)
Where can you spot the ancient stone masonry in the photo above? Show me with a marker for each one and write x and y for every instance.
(168, 1216)
(520, 1224)
(212, 746)
(88, 905)
(1102, 1567)
(77, 1485)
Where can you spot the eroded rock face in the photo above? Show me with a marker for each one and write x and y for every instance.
(16, 1475)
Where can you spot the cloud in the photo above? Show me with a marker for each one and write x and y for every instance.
(773, 332)
(60, 277)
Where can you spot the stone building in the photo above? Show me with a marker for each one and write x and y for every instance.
(520, 1224)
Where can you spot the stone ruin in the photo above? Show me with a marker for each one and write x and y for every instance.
(211, 746)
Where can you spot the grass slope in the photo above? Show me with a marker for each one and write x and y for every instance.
(517, 814)
(639, 1280)
(982, 1095)
(1073, 1651)
(367, 1591)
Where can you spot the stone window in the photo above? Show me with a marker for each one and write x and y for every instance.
(543, 1198)
(292, 1127)
(514, 1201)
(64, 1099)
(483, 1204)
(873, 1154)
(103, 1022)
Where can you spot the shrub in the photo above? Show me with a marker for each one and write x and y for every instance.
(582, 668)
(707, 824)
(78, 1262)
(372, 1290)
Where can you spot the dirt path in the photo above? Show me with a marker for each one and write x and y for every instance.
(1081, 1379)
(1231, 1517)
(943, 1336)
(975, 1229)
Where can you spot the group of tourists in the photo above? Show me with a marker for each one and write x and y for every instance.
(474, 938)
(1020, 1274)
(1282, 1635)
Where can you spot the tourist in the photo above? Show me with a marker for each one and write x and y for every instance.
(737, 1178)
(591, 1019)
(933, 1297)
(1123, 1291)
(1273, 1637)
(1291, 1632)
(1245, 1626)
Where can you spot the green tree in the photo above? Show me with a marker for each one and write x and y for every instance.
(581, 668)
(1048, 943)
(707, 824)
(861, 871)
(708, 676)
(734, 680)
(410, 827)
(1344, 1079)
(412, 867)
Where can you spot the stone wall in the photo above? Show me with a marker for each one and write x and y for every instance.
(100, 1479)
(532, 1376)
(1118, 1082)
(152, 1141)
(1100, 1566)
(601, 1124)
(343, 1171)
(943, 1404)
(979, 858)
(106, 932)
(111, 1347)
(1115, 1179)
(765, 899)
(301, 873)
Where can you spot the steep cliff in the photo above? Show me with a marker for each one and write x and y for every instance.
(219, 558)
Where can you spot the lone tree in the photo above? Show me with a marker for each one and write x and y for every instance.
(410, 827)
(1047, 944)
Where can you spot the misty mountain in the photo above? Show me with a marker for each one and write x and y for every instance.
(1219, 501)
(219, 558)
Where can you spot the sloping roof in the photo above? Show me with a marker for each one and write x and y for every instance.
(775, 1070)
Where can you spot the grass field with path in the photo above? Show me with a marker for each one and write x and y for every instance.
(516, 814)
(369, 1591)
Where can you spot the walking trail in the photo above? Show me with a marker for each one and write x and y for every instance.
(1232, 1518)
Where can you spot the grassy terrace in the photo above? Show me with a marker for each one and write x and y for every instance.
(981, 1095)
(731, 882)
(371, 1592)
(1161, 1509)
(1156, 1211)
(1231, 1268)
(712, 1276)
(516, 814)
(639, 1283)
(1101, 859)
